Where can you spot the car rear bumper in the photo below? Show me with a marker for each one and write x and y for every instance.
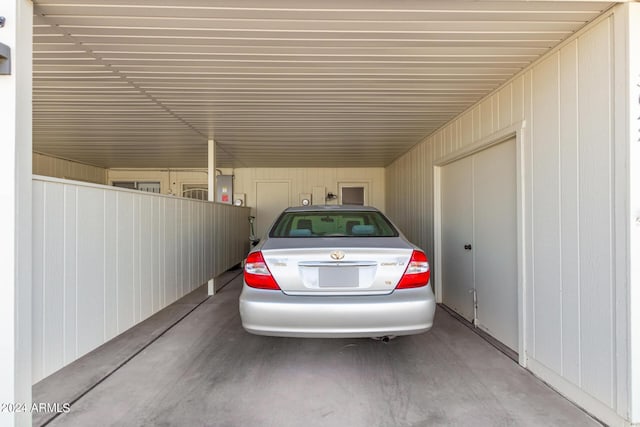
(403, 312)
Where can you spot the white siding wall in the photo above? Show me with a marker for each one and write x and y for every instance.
(60, 168)
(105, 259)
(409, 198)
(576, 313)
(302, 180)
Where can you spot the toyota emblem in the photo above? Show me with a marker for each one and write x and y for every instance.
(337, 255)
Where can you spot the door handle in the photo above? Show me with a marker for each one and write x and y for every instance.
(467, 247)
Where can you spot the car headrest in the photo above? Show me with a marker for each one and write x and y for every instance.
(300, 232)
(362, 230)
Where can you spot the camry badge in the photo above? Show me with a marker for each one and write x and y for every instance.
(337, 255)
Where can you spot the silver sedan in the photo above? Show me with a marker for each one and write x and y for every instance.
(336, 271)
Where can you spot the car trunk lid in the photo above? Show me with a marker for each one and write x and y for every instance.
(337, 270)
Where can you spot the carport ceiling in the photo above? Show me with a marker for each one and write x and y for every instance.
(285, 83)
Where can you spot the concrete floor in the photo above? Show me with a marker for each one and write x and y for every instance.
(207, 371)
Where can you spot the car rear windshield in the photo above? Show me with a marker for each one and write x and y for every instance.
(338, 223)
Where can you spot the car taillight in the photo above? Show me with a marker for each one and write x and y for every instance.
(417, 273)
(257, 274)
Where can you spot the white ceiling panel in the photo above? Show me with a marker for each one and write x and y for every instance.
(282, 83)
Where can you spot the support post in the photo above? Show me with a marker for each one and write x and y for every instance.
(211, 191)
(633, 85)
(211, 177)
(15, 214)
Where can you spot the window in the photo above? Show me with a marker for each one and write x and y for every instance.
(353, 193)
(339, 223)
(195, 191)
(149, 187)
(353, 196)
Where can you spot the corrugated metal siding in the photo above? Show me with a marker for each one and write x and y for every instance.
(67, 169)
(567, 102)
(105, 259)
(409, 183)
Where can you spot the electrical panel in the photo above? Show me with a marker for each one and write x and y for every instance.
(224, 189)
(318, 195)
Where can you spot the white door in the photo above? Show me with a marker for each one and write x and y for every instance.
(457, 232)
(494, 242)
(478, 210)
(271, 199)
